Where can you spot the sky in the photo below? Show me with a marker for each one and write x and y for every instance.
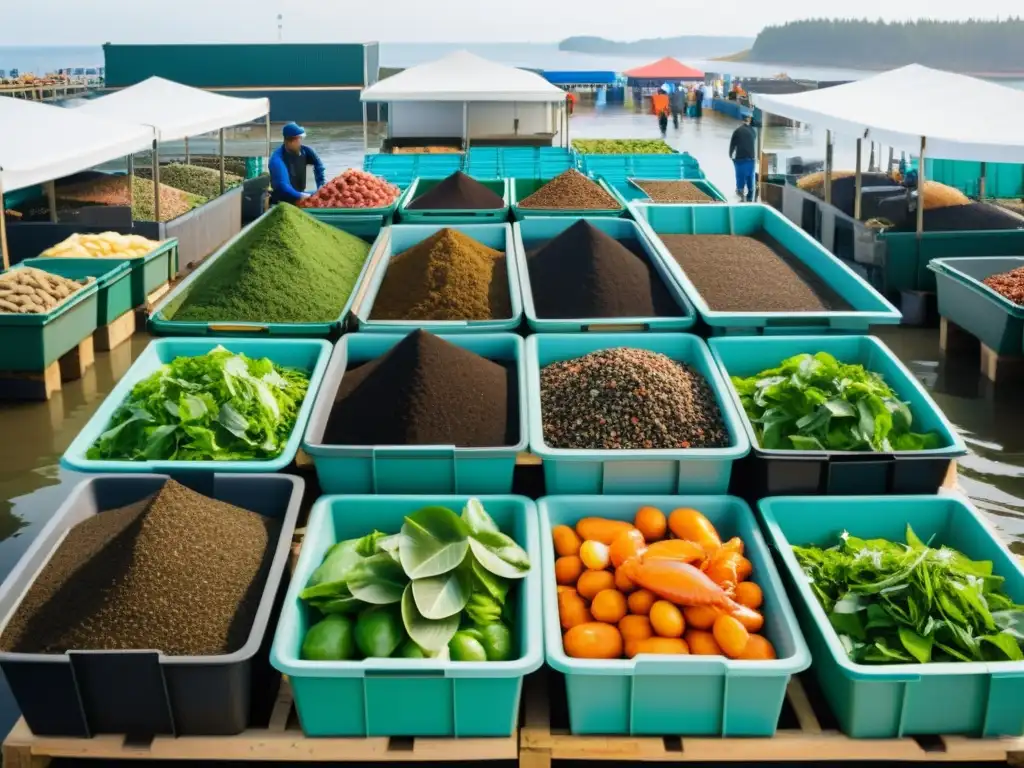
(92, 22)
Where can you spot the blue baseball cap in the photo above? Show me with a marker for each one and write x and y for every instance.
(293, 131)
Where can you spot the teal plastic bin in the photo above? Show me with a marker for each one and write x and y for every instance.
(894, 700)
(575, 471)
(310, 355)
(965, 300)
(777, 472)
(113, 280)
(533, 232)
(30, 343)
(413, 468)
(408, 697)
(907, 256)
(405, 236)
(678, 695)
(335, 216)
(421, 186)
(868, 306)
(629, 190)
(523, 188)
(162, 322)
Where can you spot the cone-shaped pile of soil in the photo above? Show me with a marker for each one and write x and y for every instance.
(458, 192)
(426, 391)
(586, 273)
(571, 190)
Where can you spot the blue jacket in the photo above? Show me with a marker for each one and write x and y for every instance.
(288, 173)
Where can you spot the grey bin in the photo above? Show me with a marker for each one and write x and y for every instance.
(144, 693)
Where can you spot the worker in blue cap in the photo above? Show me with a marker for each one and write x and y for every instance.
(288, 167)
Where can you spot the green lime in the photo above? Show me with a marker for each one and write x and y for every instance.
(379, 631)
(465, 647)
(410, 650)
(497, 642)
(329, 640)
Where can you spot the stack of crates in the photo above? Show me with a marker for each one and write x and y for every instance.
(618, 168)
(483, 162)
(402, 169)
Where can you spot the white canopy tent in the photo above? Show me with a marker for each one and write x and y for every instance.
(176, 112)
(39, 143)
(462, 78)
(911, 108)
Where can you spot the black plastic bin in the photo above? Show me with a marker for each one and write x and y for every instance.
(144, 693)
(768, 472)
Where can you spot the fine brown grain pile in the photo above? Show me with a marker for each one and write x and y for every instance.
(458, 192)
(426, 391)
(625, 398)
(744, 274)
(31, 291)
(448, 276)
(178, 572)
(584, 273)
(675, 192)
(571, 190)
(1008, 284)
(113, 190)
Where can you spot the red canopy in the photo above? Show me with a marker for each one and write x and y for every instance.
(665, 69)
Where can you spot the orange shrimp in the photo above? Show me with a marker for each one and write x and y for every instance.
(675, 549)
(677, 582)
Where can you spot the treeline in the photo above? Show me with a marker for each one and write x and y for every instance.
(964, 46)
(696, 46)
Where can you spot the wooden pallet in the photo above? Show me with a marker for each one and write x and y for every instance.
(805, 741)
(116, 333)
(42, 385)
(995, 367)
(281, 740)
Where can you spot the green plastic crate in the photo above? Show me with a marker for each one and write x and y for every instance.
(113, 276)
(679, 695)
(683, 470)
(894, 700)
(162, 322)
(408, 697)
(520, 189)
(334, 216)
(31, 343)
(907, 256)
(421, 186)
(987, 315)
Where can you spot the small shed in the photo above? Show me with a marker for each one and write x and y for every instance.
(666, 70)
(464, 98)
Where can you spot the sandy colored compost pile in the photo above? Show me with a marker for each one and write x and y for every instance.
(448, 276)
(746, 274)
(178, 572)
(675, 192)
(571, 190)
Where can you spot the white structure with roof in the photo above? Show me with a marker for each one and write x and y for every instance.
(468, 97)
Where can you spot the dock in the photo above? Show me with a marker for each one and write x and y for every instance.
(45, 92)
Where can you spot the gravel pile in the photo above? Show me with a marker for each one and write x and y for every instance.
(571, 190)
(625, 398)
(1008, 284)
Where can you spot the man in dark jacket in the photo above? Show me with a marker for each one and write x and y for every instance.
(678, 101)
(288, 167)
(743, 151)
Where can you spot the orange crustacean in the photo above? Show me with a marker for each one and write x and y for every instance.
(677, 582)
(675, 549)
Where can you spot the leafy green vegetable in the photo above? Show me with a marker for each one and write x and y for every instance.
(816, 403)
(894, 603)
(439, 597)
(429, 634)
(434, 541)
(378, 580)
(220, 406)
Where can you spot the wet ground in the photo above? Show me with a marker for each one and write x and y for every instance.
(33, 436)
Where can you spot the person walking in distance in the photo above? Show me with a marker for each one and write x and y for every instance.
(742, 150)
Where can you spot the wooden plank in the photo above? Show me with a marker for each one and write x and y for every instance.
(1001, 368)
(156, 295)
(953, 338)
(115, 334)
(75, 363)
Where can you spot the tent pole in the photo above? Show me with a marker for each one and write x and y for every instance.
(920, 190)
(465, 125)
(3, 227)
(188, 158)
(871, 158)
(131, 180)
(51, 199)
(222, 161)
(981, 181)
(366, 130)
(888, 168)
(760, 157)
(568, 140)
(828, 167)
(156, 180)
(267, 122)
(858, 181)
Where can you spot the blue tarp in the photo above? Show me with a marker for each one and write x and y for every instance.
(583, 77)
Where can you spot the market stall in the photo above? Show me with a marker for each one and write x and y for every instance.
(462, 99)
(178, 112)
(909, 109)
